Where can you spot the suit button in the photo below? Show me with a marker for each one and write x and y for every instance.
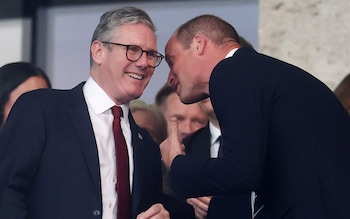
(96, 213)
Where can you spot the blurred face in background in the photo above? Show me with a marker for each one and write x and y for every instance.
(31, 83)
(145, 119)
(190, 117)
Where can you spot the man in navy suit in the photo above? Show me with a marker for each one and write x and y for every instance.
(205, 144)
(57, 152)
(284, 133)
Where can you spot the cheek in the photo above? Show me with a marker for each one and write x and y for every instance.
(150, 74)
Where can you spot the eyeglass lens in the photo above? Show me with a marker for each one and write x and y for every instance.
(134, 53)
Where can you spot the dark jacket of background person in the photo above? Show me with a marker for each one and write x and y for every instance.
(285, 136)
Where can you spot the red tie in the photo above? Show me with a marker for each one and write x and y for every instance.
(122, 163)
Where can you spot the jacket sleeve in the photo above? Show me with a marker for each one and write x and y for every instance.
(21, 145)
(240, 106)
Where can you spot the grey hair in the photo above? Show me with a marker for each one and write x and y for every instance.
(111, 20)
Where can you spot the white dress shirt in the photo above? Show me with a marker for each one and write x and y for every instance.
(231, 53)
(215, 132)
(214, 142)
(99, 105)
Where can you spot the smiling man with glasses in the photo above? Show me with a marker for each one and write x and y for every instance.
(66, 162)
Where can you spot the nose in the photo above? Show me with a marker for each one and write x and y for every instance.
(143, 60)
(171, 79)
(185, 129)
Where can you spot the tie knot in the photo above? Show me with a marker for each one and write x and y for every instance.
(117, 111)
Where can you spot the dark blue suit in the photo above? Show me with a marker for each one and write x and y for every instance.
(49, 164)
(220, 207)
(285, 136)
(198, 144)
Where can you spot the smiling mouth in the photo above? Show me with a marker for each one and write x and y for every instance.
(135, 76)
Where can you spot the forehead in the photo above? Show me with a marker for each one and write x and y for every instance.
(173, 46)
(136, 34)
(175, 106)
(172, 99)
(33, 82)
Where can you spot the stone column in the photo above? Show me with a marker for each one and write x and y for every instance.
(313, 35)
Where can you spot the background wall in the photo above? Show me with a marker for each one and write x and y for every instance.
(64, 34)
(313, 35)
(16, 30)
(15, 43)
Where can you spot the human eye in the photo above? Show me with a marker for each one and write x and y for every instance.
(179, 118)
(152, 54)
(199, 122)
(134, 49)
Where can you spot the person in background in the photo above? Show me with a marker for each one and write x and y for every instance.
(190, 117)
(15, 79)
(284, 133)
(78, 147)
(342, 91)
(150, 118)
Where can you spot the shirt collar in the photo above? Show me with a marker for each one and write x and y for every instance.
(99, 101)
(230, 54)
(215, 133)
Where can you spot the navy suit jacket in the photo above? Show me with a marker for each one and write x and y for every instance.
(285, 136)
(49, 165)
(198, 143)
(220, 207)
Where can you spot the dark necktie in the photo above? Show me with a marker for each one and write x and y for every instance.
(122, 163)
(220, 152)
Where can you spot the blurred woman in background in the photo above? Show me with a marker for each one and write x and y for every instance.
(15, 79)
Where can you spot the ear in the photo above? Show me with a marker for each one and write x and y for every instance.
(199, 43)
(97, 51)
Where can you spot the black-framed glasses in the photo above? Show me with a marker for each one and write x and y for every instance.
(134, 53)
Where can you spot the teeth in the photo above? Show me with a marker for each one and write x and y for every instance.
(136, 76)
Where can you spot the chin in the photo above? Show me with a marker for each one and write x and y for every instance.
(134, 94)
(137, 96)
(189, 100)
(193, 98)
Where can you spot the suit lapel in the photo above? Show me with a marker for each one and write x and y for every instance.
(80, 118)
(138, 175)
